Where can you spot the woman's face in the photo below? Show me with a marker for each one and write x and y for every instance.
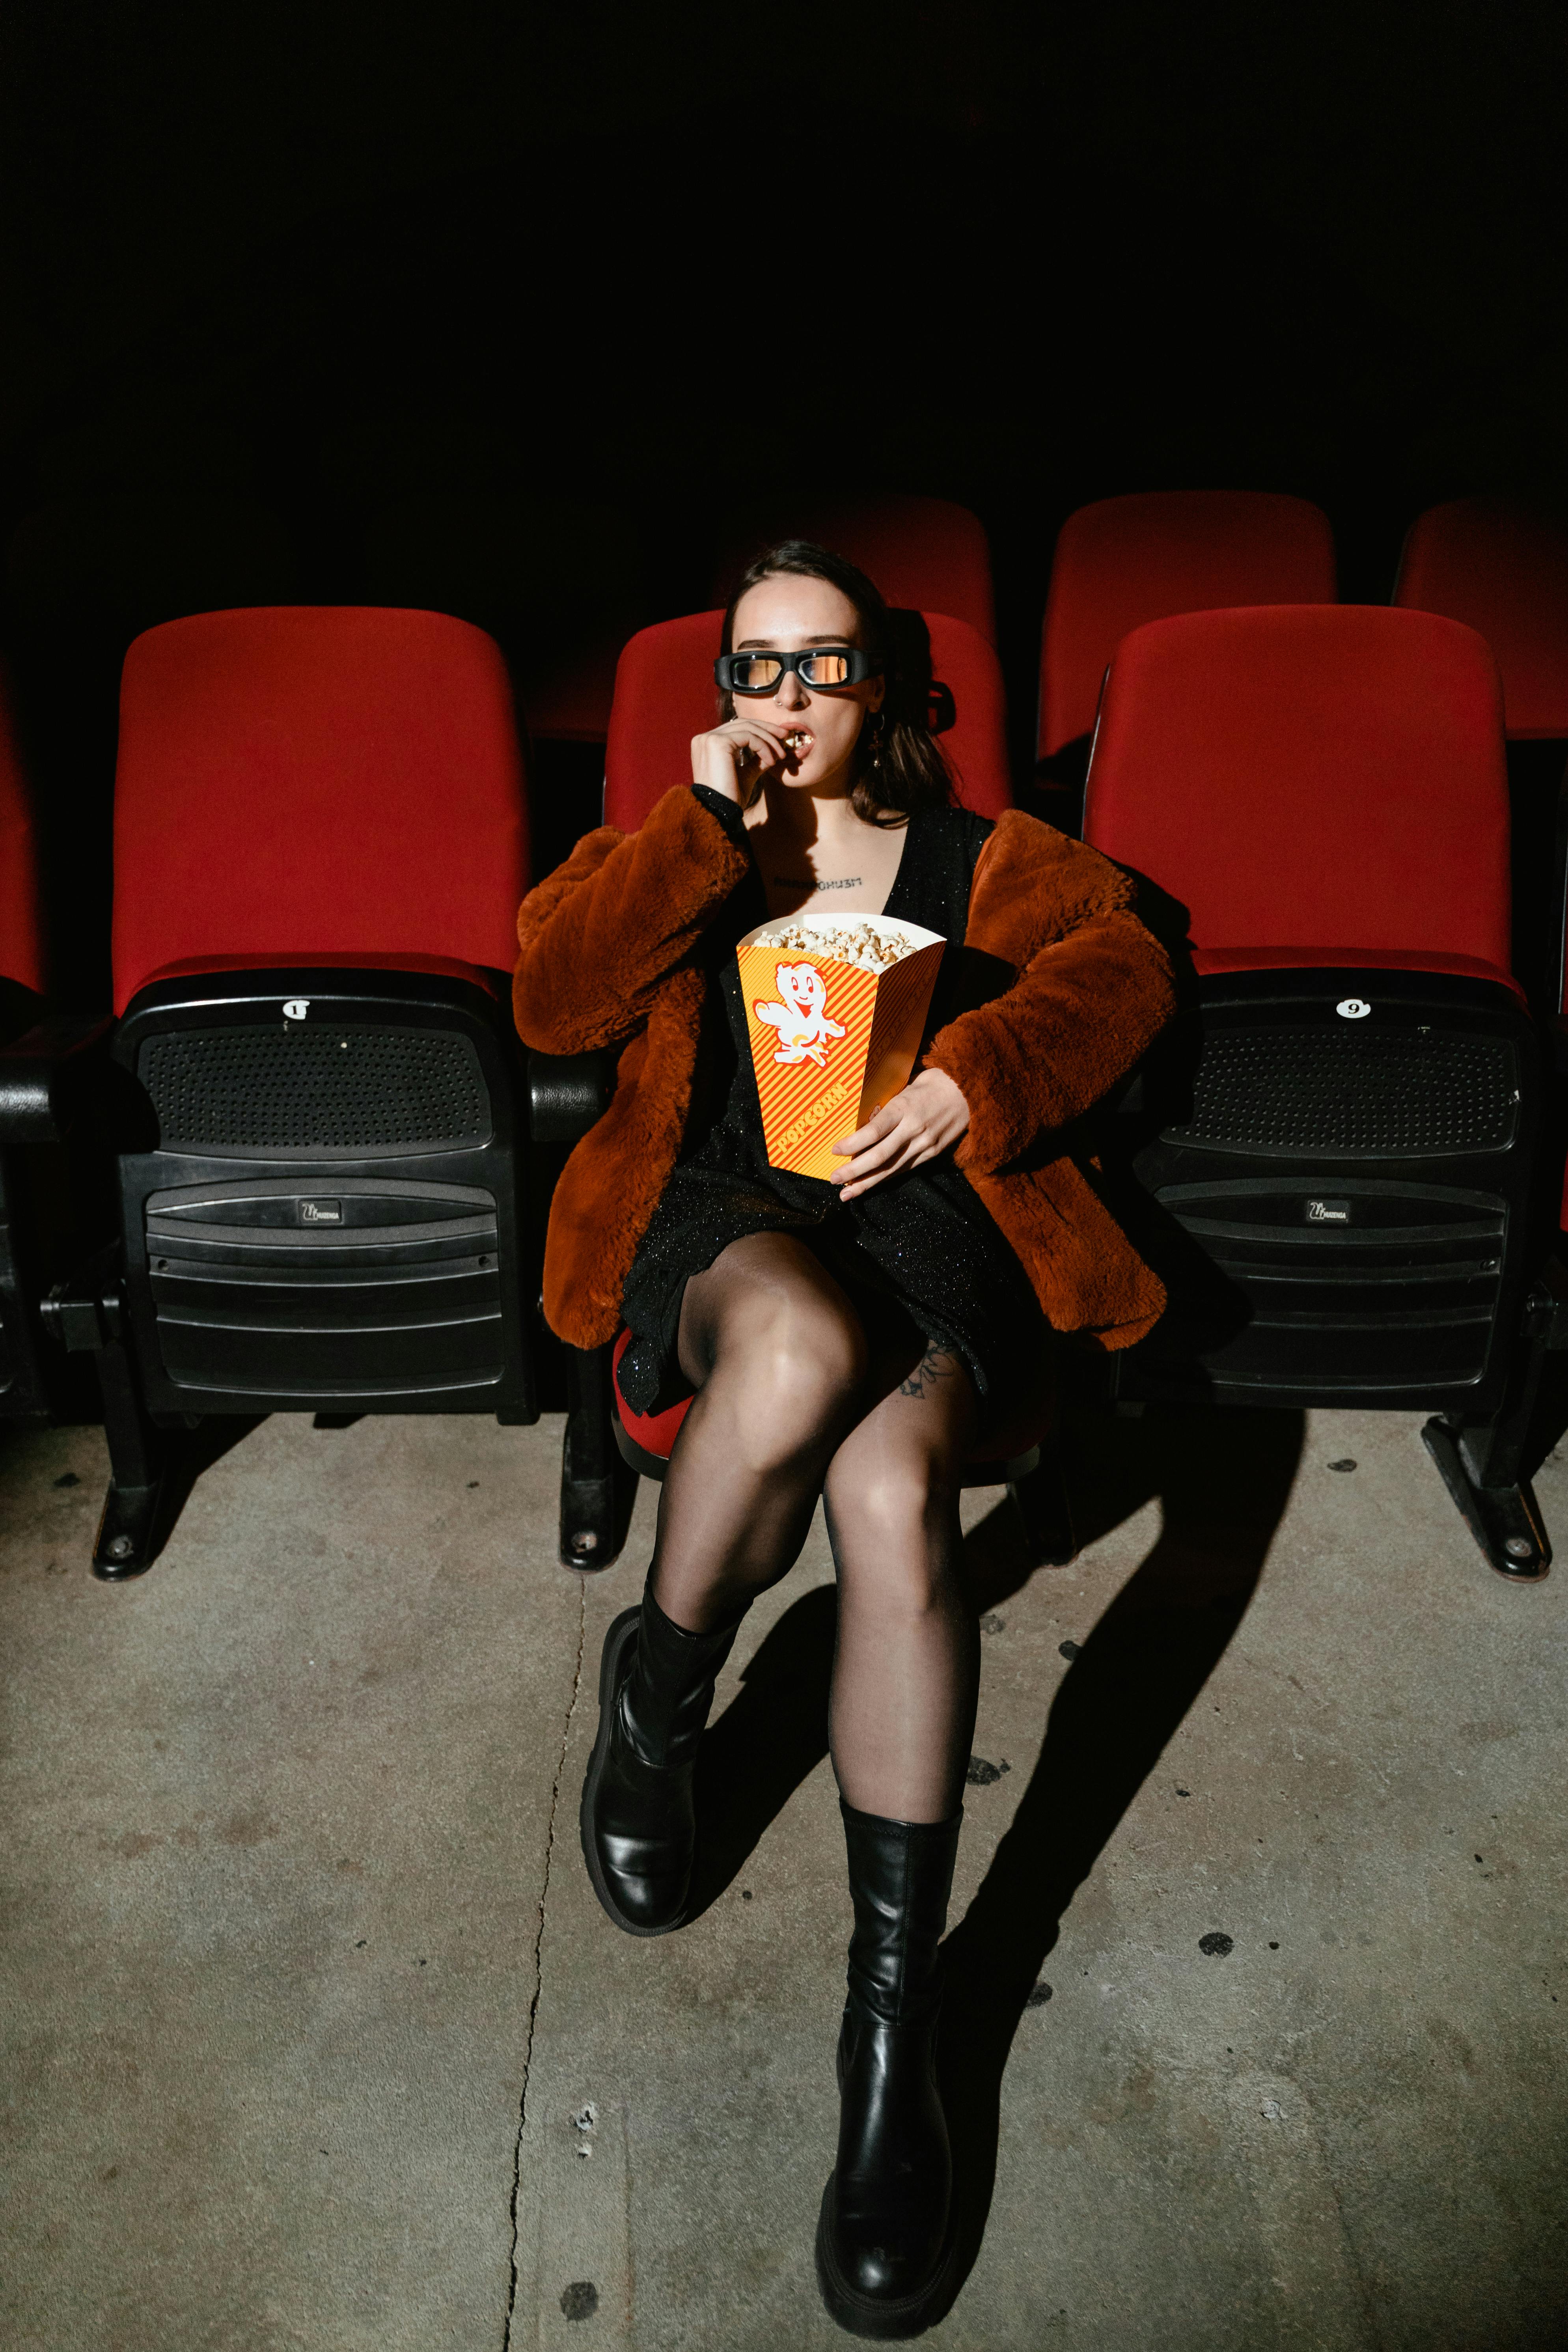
(784, 613)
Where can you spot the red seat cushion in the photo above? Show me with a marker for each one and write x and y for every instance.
(927, 554)
(21, 896)
(296, 784)
(665, 694)
(1504, 571)
(656, 1433)
(1330, 773)
(1125, 560)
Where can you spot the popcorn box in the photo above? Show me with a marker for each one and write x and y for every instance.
(835, 1008)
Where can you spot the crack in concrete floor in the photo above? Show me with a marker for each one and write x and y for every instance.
(538, 1962)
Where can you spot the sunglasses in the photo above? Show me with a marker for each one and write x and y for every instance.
(813, 665)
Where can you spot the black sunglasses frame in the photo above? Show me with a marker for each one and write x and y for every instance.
(862, 665)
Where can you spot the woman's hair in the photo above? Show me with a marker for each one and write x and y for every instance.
(908, 771)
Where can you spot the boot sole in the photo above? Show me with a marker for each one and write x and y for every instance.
(868, 2316)
(621, 1631)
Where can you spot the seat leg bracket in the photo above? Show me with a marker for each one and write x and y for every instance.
(1504, 1520)
(1483, 1463)
(597, 1488)
(86, 1315)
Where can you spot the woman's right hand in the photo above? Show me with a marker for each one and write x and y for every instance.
(733, 759)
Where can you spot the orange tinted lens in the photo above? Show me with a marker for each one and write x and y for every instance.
(825, 669)
(753, 671)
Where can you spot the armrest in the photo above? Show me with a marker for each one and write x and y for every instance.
(49, 1076)
(567, 1093)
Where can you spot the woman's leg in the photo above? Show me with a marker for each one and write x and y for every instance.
(778, 1356)
(904, 1686)
(907, 1672)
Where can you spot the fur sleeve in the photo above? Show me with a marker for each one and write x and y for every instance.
(604, 929)
(1094, 989)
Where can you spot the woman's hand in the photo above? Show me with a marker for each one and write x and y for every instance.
(729, 760)
(929, 1116)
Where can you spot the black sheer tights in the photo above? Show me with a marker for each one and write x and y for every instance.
(795, 1399)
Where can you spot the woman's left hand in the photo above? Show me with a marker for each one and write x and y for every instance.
(929, 1116)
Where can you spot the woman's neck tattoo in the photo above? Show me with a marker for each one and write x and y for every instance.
(807, 882)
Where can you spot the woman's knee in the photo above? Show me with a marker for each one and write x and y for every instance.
(792, 1367)
(894, 1513)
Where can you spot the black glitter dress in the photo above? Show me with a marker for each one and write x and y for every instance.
(917, 1249)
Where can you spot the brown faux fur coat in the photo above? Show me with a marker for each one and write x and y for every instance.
(607, 960)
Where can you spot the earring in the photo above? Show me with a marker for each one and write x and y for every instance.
(875, 727)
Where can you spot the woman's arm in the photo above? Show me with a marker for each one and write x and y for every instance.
(1084, 1010)
(604, 929)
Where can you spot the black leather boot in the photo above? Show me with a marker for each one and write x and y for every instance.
(640, 1826)
(886, 2243)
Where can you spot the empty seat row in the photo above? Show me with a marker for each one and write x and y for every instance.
(1117, 564)
(564, 582)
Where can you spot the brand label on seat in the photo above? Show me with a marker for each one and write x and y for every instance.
(1328, 1212)
(320, 1213)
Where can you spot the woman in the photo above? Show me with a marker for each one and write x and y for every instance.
(851, 1339)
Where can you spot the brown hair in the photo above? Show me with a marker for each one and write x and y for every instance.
(901, 767)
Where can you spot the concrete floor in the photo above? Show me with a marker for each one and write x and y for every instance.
(316, 2037)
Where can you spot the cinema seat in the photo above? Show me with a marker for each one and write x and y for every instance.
(665, 694)
(321, 842)
(53, 1198)
(1126, 560)
(22, 1389)
(1339, 1142)
(1503, 570)
(928, 554)
(22, 950)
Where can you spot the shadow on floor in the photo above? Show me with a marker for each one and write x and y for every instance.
(1223, 1479)
(188, 1455)
(768, 1739)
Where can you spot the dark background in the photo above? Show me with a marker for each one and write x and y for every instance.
(286, 289)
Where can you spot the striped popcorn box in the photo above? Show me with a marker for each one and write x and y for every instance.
(836, 1009)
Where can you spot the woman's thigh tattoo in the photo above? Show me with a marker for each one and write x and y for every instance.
(936, 1365)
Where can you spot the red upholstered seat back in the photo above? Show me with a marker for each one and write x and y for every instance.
(1328, 779)
(1125, 560)
(665, 694)
(304, 781)
(926, 554)
(21, 897)
(1502, 569)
